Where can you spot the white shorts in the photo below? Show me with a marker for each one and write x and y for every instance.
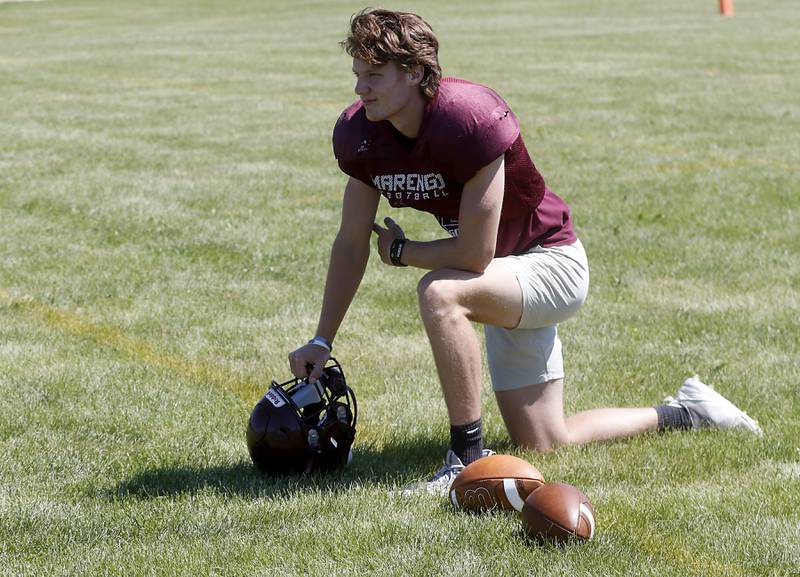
(554, 282)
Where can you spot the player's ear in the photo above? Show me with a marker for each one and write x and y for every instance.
(415, 73)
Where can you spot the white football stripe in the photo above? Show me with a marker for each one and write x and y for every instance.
(589, 517)
(510, 487)
(454, 499)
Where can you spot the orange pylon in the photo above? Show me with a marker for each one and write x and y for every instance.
(726, 7)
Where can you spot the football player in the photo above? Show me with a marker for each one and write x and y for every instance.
(511, 260)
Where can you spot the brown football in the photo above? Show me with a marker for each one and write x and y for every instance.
(558, 512)
(496, 481)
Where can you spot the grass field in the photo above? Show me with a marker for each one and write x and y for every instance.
(167, 199)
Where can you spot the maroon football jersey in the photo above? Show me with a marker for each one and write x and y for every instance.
(464, 127)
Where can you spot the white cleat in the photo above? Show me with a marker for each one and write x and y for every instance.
(440, 483)
(707, 408)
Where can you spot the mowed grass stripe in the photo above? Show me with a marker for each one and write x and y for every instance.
(138, 350)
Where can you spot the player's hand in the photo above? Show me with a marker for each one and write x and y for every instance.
(386, 236)
(308, 361)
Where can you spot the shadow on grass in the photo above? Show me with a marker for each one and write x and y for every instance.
(391, 466)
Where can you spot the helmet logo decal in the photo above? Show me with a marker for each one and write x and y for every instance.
(274, 398)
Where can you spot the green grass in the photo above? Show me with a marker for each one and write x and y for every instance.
(167, 199)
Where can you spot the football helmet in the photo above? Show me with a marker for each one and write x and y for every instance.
(299, 426)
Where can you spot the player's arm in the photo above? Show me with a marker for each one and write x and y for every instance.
(479, 217)
(348, 261)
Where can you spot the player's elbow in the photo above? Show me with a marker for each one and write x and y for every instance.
(478, 259)
(475, 246)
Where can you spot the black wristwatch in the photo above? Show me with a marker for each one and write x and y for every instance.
(396, 251)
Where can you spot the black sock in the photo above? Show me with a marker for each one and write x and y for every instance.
(670, 417)
(466, 441)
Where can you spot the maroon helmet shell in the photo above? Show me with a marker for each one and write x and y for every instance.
(303, 427)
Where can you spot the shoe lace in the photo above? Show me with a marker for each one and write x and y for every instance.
(445, 475)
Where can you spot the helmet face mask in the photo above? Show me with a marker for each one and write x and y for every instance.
(302, 427)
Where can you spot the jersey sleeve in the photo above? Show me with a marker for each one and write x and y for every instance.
(347, 138)
(484, 128)
(355, 170)
(491, 139)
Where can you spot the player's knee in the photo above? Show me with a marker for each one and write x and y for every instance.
(541, 439)
(437, 296)
(540, 444)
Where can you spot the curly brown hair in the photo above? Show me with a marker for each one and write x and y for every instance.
(379, 36)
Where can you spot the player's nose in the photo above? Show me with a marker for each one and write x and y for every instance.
(361, 86)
